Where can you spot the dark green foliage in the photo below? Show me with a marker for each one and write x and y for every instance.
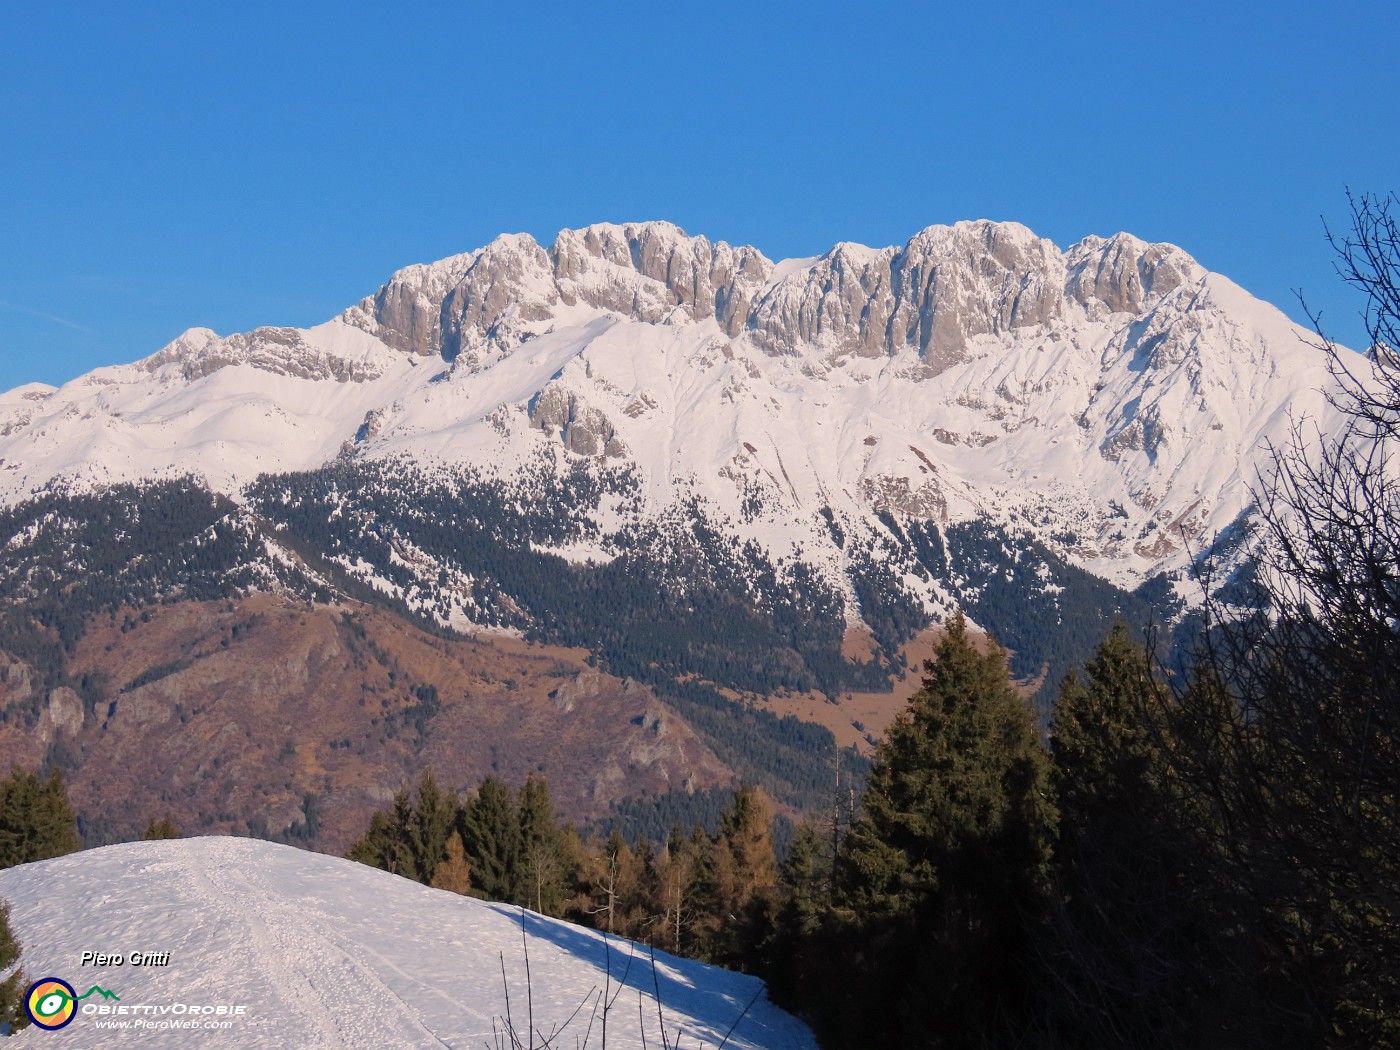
(893, 615)
(793, 953)
(653, 817)
(66, 556)
(942, 879)
(544, 863)
(1047, 628)
(12, 1014)
(36, 820)
(388, 843)
(433, 818)
(1128, 957)
(789, 758)
(491, 835)
(161, 829)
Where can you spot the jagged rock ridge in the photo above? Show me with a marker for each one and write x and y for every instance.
(1110, 400)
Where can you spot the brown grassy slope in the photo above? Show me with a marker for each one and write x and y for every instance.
(859, 719)
(221, 712)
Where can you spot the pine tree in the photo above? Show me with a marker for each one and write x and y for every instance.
(400, 849)
(388, 842)
(36, 820)
(945, 873)
(543, 862)
(12, 1013)
(1120, 968)
(1265, 983)
(372, 847)
(804, 894)
(744, 880)
(161, 829)
(433, 816)
(804, 877)
(491, 835)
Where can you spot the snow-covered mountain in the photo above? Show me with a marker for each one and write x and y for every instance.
(1110, 402)
(1112, 397)
(324, 953)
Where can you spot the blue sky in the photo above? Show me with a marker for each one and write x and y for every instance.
(230, 165)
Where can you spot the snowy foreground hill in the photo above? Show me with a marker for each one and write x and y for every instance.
(325, 953)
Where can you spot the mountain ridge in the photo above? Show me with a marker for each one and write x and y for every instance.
(1116, 391)
(702, 469)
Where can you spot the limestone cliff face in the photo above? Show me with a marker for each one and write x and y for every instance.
(975, 369)
(945, 287)
(584, 429)
(283, 351)
(407, 312)
(937, 294)
(600, 266)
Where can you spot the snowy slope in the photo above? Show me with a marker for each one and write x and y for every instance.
(326, 953)
(1113, 399)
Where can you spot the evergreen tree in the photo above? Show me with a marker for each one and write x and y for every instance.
(12, 986)
(161, 829)
(1122, 961)
(409, 838)
(804, 893)
(804, 877)
(372, 848)
(1261, 983)
(401, 853)
(434, 814)
(944, 875)
(543, 861)
(389, 841)
(491, 835)
(36, 820)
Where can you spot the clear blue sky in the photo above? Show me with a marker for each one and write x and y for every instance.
(231, 165)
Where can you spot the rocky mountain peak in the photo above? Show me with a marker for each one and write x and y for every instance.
(1114, 392)
(198, 352)
(946, 286)
(1125, 274)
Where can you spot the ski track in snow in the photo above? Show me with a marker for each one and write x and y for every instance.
(328, 954)
(316, 977)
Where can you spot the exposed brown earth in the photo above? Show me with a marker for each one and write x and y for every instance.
(223, 713)
(220, 712)
(860, 719)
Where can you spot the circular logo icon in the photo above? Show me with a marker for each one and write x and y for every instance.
(51, 1003)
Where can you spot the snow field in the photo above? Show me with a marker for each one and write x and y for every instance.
(327, 954)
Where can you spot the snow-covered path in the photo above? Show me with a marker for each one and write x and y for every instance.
(323, 953)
